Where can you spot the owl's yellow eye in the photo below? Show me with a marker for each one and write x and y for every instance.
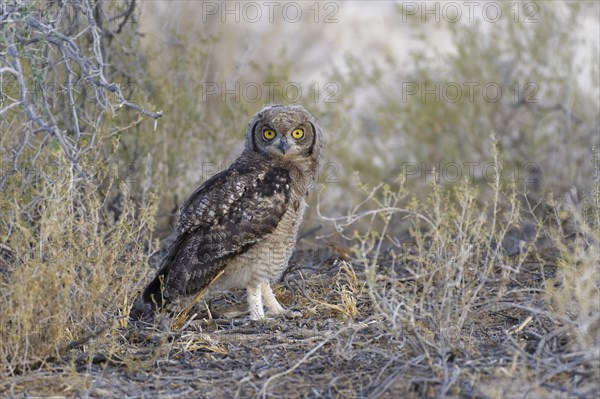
(269, 134)
(298, 134)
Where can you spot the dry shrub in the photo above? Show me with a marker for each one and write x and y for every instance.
(73, 241)
(573, 296)
(72, 266)
(466, 283)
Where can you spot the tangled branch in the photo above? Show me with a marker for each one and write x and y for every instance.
(54, 55)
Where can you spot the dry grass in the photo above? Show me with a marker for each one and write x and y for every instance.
(445, 312)
(465, 289)
(71, 274)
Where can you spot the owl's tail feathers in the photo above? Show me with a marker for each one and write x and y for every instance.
(154, 297)
(150, 301)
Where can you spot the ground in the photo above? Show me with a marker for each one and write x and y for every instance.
(339, 347)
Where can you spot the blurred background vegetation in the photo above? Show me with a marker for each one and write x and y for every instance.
(545, 117)
(109, 120)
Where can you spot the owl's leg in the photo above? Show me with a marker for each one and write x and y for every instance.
(270, 300)
(255, 303)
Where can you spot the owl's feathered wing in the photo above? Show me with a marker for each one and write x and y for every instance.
(225, 217)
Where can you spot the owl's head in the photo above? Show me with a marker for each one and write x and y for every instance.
(286, 131)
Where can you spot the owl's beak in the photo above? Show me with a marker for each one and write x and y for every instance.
(283, 145)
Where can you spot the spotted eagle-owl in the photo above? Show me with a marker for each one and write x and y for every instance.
(243, 221)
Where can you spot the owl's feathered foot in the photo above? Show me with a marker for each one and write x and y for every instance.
(273, 306)
(262, 294)
(288, 313)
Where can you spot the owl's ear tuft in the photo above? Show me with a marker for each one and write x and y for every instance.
(253, 133)
(314, 139)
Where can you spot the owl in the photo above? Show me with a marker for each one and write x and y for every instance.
(239, 228)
